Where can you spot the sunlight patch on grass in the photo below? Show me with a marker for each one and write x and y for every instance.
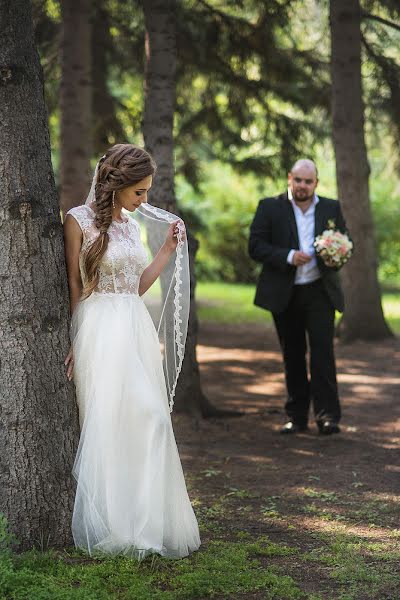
(229, 303)
(391, 309)
(233, 303)
(355, 566)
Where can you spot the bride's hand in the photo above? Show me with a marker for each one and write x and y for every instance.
(69, 363)
(171, 239)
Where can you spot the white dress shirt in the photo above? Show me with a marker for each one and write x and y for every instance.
(305, 222)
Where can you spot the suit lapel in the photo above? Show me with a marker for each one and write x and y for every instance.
(291, 218)
(319, 218)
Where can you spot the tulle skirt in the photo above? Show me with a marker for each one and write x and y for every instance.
(131, 495)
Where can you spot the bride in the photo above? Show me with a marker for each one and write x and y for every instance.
(131, 495)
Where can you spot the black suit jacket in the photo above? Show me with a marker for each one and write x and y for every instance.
(273, 233)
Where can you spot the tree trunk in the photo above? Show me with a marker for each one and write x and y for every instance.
(363, 318)
(39, 424)
(158, 121)
(75, 102)
(159, 106)
(106, 129)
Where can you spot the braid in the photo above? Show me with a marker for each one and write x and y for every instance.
(122, 165)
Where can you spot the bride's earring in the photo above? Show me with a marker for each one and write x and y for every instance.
(113, 199)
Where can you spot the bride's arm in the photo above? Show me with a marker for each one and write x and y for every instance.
(155, 268)
(72, 243)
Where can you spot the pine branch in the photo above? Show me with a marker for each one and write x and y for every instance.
(229, 19)
(370, 16)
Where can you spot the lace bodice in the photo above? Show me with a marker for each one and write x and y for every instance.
(125, 259)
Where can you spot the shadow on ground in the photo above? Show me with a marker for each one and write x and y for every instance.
(335, 499)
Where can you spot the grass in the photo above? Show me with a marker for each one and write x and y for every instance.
(233, 303)
(223, 568)
(229, 303)
(233, 561)
(391, 308)
(350, 566)
(237, 563)
(363, 570)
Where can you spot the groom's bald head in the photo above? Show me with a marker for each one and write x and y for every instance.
(307, 164)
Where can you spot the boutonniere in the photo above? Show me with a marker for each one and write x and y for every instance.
(331, 224)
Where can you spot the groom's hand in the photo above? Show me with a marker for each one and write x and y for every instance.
(300, 258)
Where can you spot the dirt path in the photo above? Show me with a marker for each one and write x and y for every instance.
(334, 500)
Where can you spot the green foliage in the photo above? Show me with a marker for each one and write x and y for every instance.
(246, 89)
(253, 82)
(221, 210)
(6, 538)
(386, 211)
(224, 208)
(253, 94)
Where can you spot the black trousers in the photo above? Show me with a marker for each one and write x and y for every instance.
(309, 312)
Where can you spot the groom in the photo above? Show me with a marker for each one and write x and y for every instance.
(302, 293)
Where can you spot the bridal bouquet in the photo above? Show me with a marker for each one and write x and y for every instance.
(333, 246)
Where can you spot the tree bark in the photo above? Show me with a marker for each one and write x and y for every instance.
(160, 96)
(106, 129)
(75, 102)
(39, 424)
(363, 318)
(159, 108)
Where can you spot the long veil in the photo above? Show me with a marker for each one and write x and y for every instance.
(168, 300)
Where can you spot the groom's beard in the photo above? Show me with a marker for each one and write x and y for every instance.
(302, 198)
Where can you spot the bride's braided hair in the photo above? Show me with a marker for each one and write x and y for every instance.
(121, 166)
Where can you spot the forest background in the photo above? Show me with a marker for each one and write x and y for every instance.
(226, 95)
(246, 109)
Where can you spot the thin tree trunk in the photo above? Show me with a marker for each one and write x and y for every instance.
(363, 318)
(106, 129)
(75, 102)
(160, 89)
(39, 425)
(160, 96)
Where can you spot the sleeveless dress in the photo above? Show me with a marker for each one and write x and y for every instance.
(131, 495)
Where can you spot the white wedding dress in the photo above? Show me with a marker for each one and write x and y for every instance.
(131, 495)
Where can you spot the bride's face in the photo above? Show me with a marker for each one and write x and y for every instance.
(133, 196)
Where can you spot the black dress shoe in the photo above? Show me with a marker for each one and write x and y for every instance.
(328, 427)
(292, 427)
